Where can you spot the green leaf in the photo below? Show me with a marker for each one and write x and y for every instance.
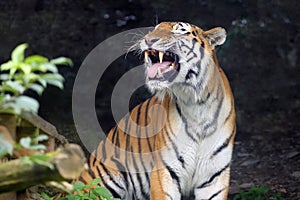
(41, 159)
(102, 191)
(26, 160)
(95, 181)
(15, 86)
(8, 65)
(10, 108)
(54, 76)
(4, 77)
(17, 55)
(46, 196)
(37, 88)
(5, 147)
(38, 147)
(50, 67)
(35, 59)
(42, 82)
(6, 88)
(41, 138)
(12, 73)
(26, 68)
(78, 186)
(62, 61)
(56, 83)
(27, 103)
(25, 142)
(73, 197)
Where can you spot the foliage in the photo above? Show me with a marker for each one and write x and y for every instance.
(31, 144)
(94, 192)
(257, 193)
(25, 142)
(21, 74)
(5, 147)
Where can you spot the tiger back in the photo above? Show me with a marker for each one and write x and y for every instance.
(177, 144)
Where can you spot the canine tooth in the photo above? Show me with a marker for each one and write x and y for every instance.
(159, 72)
(146, 56)
(172, 66)
(161, 55)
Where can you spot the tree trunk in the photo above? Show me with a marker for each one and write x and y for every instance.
(18, 174)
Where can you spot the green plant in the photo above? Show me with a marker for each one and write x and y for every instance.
(80, 189)
(257, 193)
(21, 74)
(5, 147)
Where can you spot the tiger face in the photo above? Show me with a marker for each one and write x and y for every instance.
(174, 55)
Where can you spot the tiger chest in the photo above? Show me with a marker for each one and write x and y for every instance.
(192, 155)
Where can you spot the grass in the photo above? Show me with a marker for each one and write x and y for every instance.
(257, 193)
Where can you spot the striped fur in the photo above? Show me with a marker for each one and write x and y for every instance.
(177, 144)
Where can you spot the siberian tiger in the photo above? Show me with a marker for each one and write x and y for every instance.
(177, 144)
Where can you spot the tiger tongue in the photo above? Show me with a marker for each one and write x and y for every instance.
(152, 71)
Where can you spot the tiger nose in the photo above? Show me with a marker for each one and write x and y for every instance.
(149, 40)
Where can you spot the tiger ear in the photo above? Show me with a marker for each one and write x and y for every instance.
(215, 36)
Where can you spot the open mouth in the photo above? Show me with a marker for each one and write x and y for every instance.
(162, 65)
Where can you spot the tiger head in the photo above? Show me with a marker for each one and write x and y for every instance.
(175, 55)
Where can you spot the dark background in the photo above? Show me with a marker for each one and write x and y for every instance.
(260, 57)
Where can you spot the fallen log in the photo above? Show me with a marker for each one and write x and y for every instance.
(64, 164)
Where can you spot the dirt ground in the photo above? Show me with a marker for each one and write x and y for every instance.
(260, 57)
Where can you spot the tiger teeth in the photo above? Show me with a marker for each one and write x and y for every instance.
(161, 55)
(146, 56)
(172, 66)
(159, 72)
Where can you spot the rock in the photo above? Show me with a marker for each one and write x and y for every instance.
(296, 174)
(246, 185)
(292, 154)
(250, 162)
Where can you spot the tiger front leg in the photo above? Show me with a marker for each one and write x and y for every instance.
(216, 187)
(164, 185)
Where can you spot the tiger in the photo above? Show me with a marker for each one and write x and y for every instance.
(177, 144)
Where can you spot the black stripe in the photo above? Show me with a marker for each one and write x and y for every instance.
(95, 158)
(202, 101)
(202, 78)
(121, 169)
(82, 180)
(91, 173)
(138, 130)
(202, 46)
(146, 124)
(111, 176)
(229, 114)
(174, 177)
(103, 158)
(148, 141)
(132, 182)
(114, 135)
(117, 144)
(112, 191)
(180, 158)
(185, 123)
(190, 73)
(175, 148)
(218, 173)
(215, 116)
(127, 135)
(138, 174)
(224, 145)
(215, 194)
